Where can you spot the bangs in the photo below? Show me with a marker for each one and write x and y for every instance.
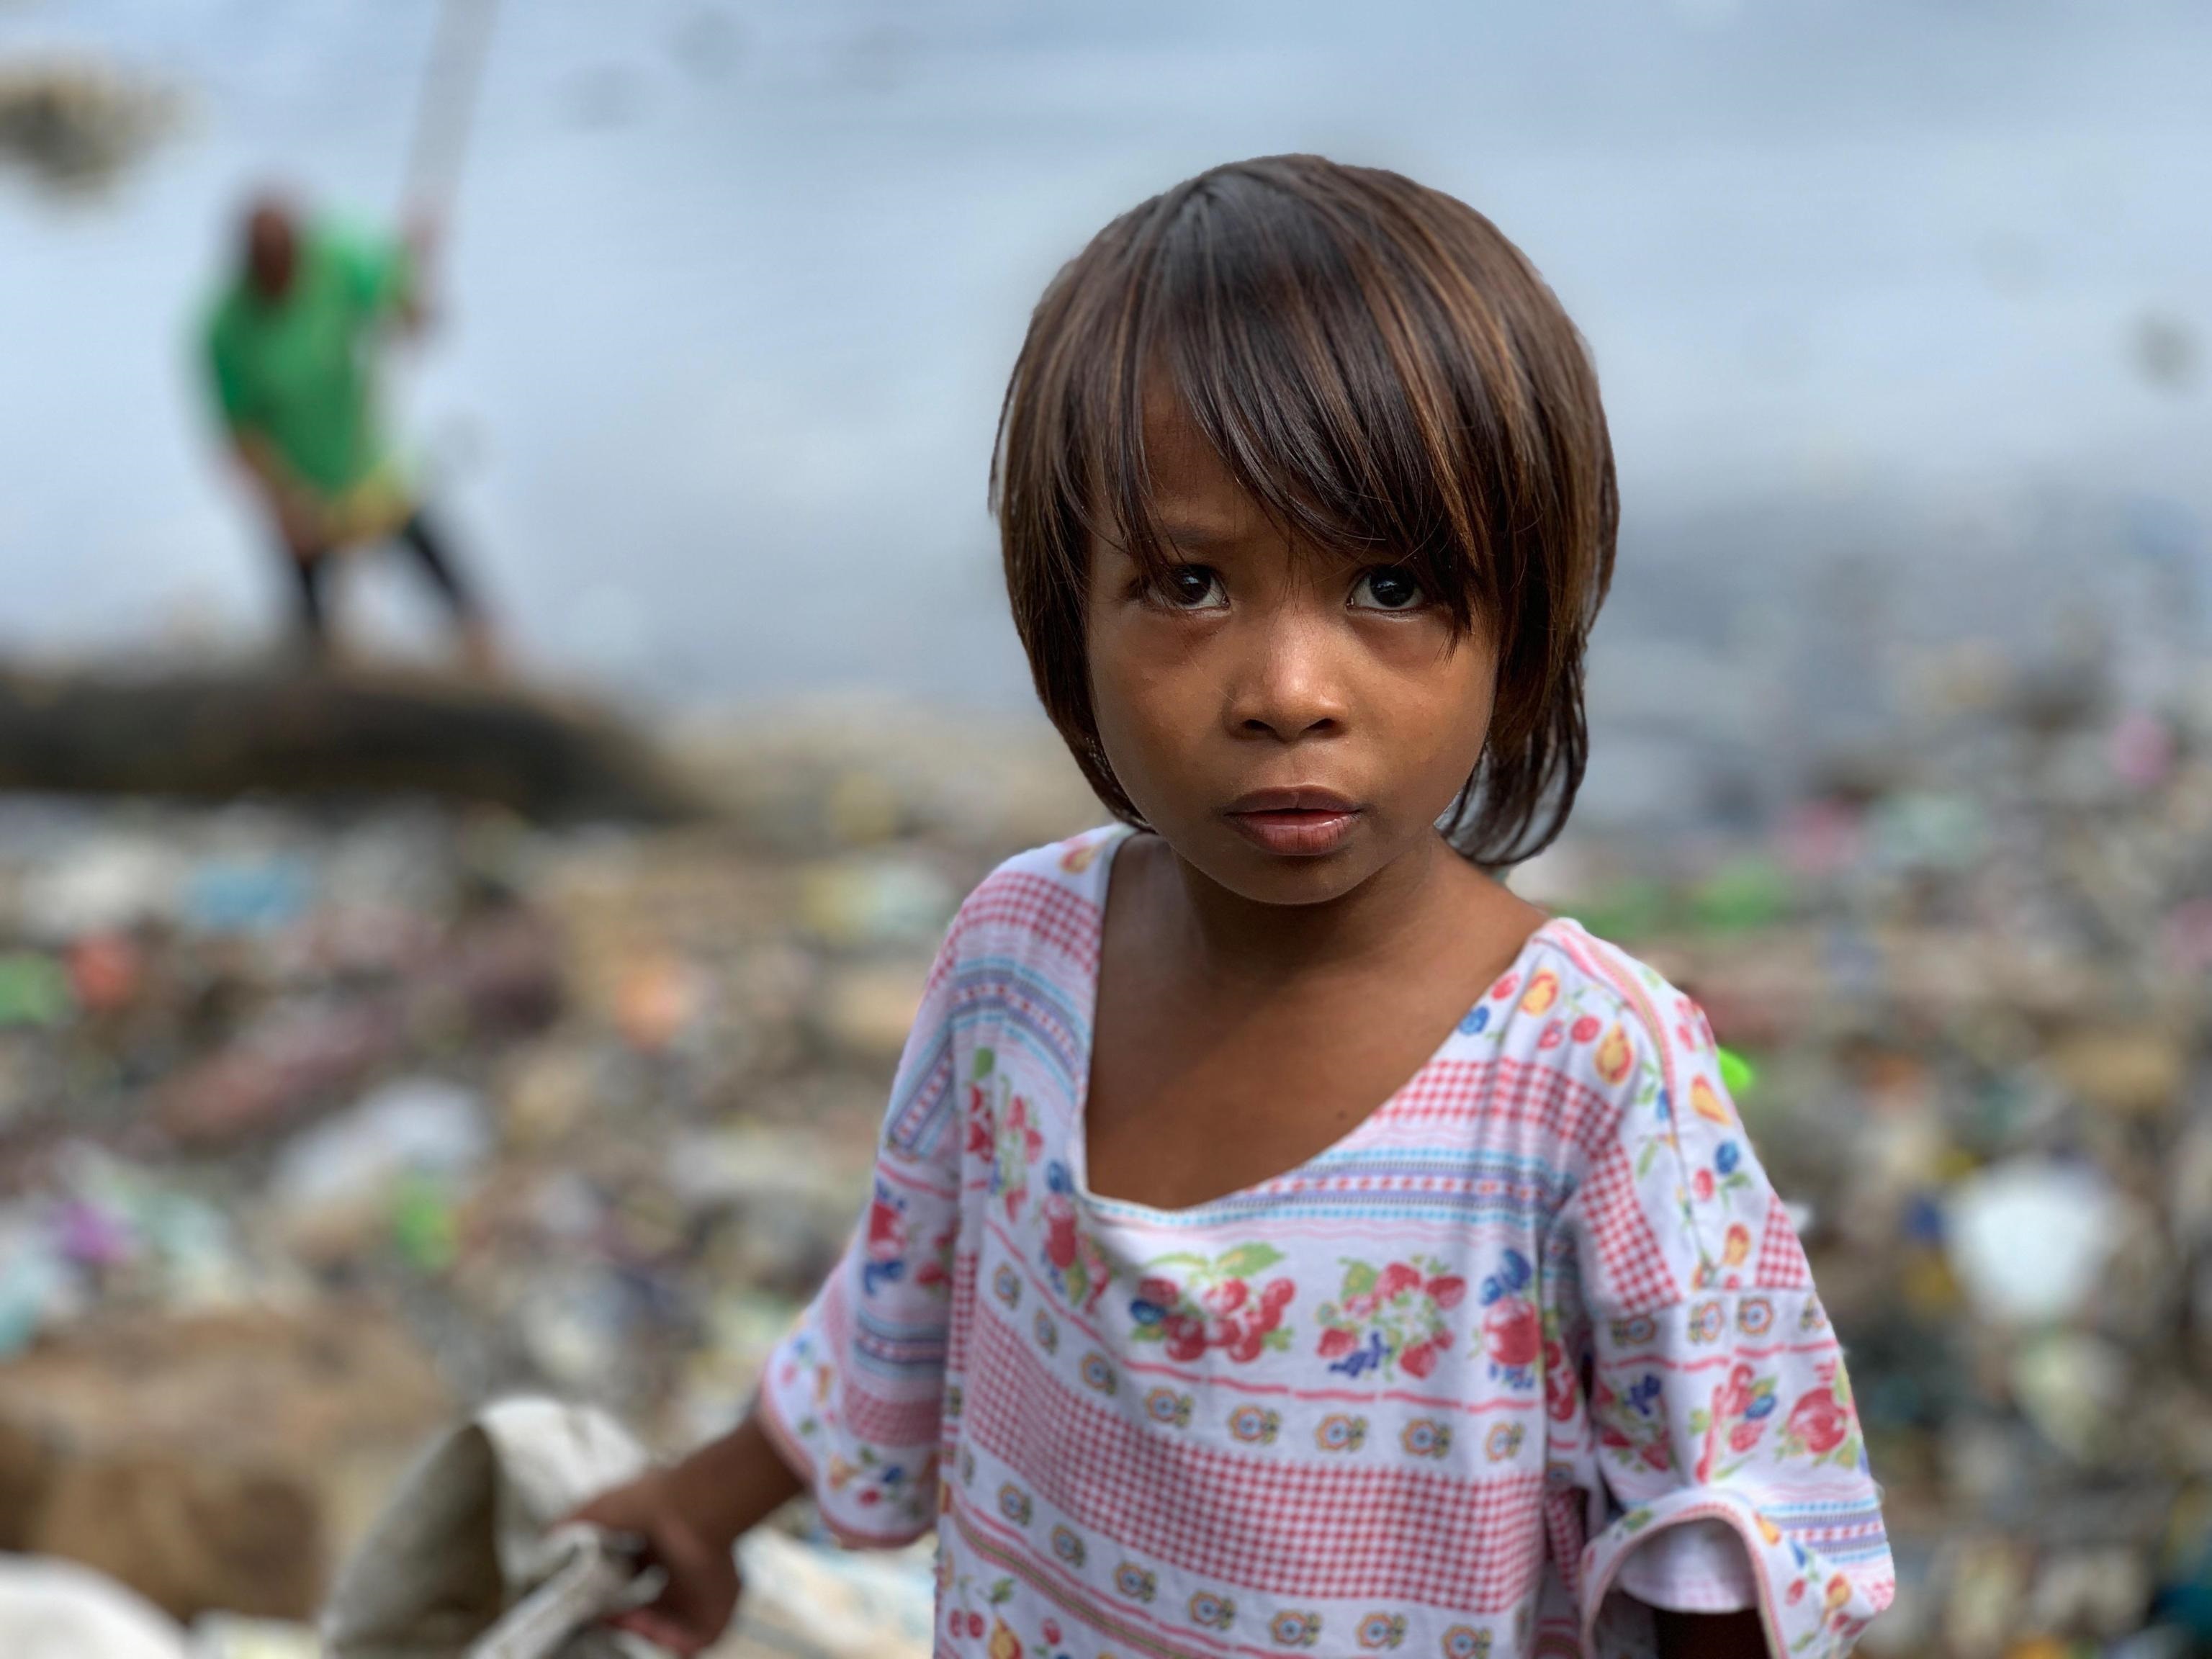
(1378, 368)
(1312, 342)
(1288, 435)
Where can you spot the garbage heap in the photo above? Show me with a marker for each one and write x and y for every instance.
(319, 1125)
(74, 125)
(1968, 982)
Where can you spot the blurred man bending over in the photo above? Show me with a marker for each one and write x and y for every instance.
(293, 343)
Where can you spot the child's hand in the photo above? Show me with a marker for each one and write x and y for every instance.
(694, 1607)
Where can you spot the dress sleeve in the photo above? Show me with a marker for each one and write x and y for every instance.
(1718, 1444)
(853, 1395)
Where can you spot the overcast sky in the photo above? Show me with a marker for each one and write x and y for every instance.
(734, 287)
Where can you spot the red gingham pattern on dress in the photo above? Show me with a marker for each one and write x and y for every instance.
(892, 1422)
(895, 1415)
(1362, 1526)
(1628, 1252)
(1565, 1529)
(1133, 1626)
(1877, 1586)
(1032, 908)
(962, 1320)
(1550, 1109)
(924, 1107)
(1782, 1265)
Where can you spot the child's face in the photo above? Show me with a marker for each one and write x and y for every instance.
(1290, 722)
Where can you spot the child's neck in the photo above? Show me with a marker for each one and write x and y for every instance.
(1420, 899)
(1233, 1041)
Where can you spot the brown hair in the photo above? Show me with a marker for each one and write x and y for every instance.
(1388, 377)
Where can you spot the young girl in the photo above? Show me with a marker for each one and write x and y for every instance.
(1285, 1239)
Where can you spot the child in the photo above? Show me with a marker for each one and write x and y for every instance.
(1284, 1237)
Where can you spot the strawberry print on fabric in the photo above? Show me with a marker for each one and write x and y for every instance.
(1390, 1318)
(1190, 1303)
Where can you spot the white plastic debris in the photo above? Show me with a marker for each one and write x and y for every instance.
(2028, 1239)
(831, 1603)
(416, 1125)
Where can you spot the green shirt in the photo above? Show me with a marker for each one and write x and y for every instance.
(299, 371)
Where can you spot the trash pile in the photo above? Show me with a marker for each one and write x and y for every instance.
(319, 1125)
(1967, 984)
(73, 125)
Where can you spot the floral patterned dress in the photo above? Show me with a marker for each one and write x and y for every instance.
(1531, 1349)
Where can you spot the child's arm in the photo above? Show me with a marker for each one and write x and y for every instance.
(851, 1400)
(690, 1518)
(1710, 1636)
(1718, 1421)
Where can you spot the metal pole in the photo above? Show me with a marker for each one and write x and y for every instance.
(449, 97)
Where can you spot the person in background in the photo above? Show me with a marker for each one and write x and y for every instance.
(291, 345)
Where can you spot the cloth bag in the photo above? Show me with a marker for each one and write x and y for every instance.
(459, 1565)
(466, 1561)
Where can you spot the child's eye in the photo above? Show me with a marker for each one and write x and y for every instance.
(1193, 587)
(1386, 587)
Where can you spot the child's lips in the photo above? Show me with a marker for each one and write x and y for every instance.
(1295, 823)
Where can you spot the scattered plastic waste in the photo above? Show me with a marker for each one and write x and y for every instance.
(34, 990)
(2028, 1240)
(589, 1109)
(1744, 894)
(877, 901)
(34, 1281)
(109, 884)
(247, 895)
(76, 124)
(106, 972)
(866, 1012)
(1963, 992)
(657, 998)
(833, 1603)
(1737, 1072)
(402, 1153)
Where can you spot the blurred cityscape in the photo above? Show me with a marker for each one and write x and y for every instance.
(374, 1045)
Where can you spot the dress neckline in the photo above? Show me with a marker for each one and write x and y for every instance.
(1101, 873)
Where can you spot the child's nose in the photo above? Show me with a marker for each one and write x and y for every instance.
(1291, 684)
